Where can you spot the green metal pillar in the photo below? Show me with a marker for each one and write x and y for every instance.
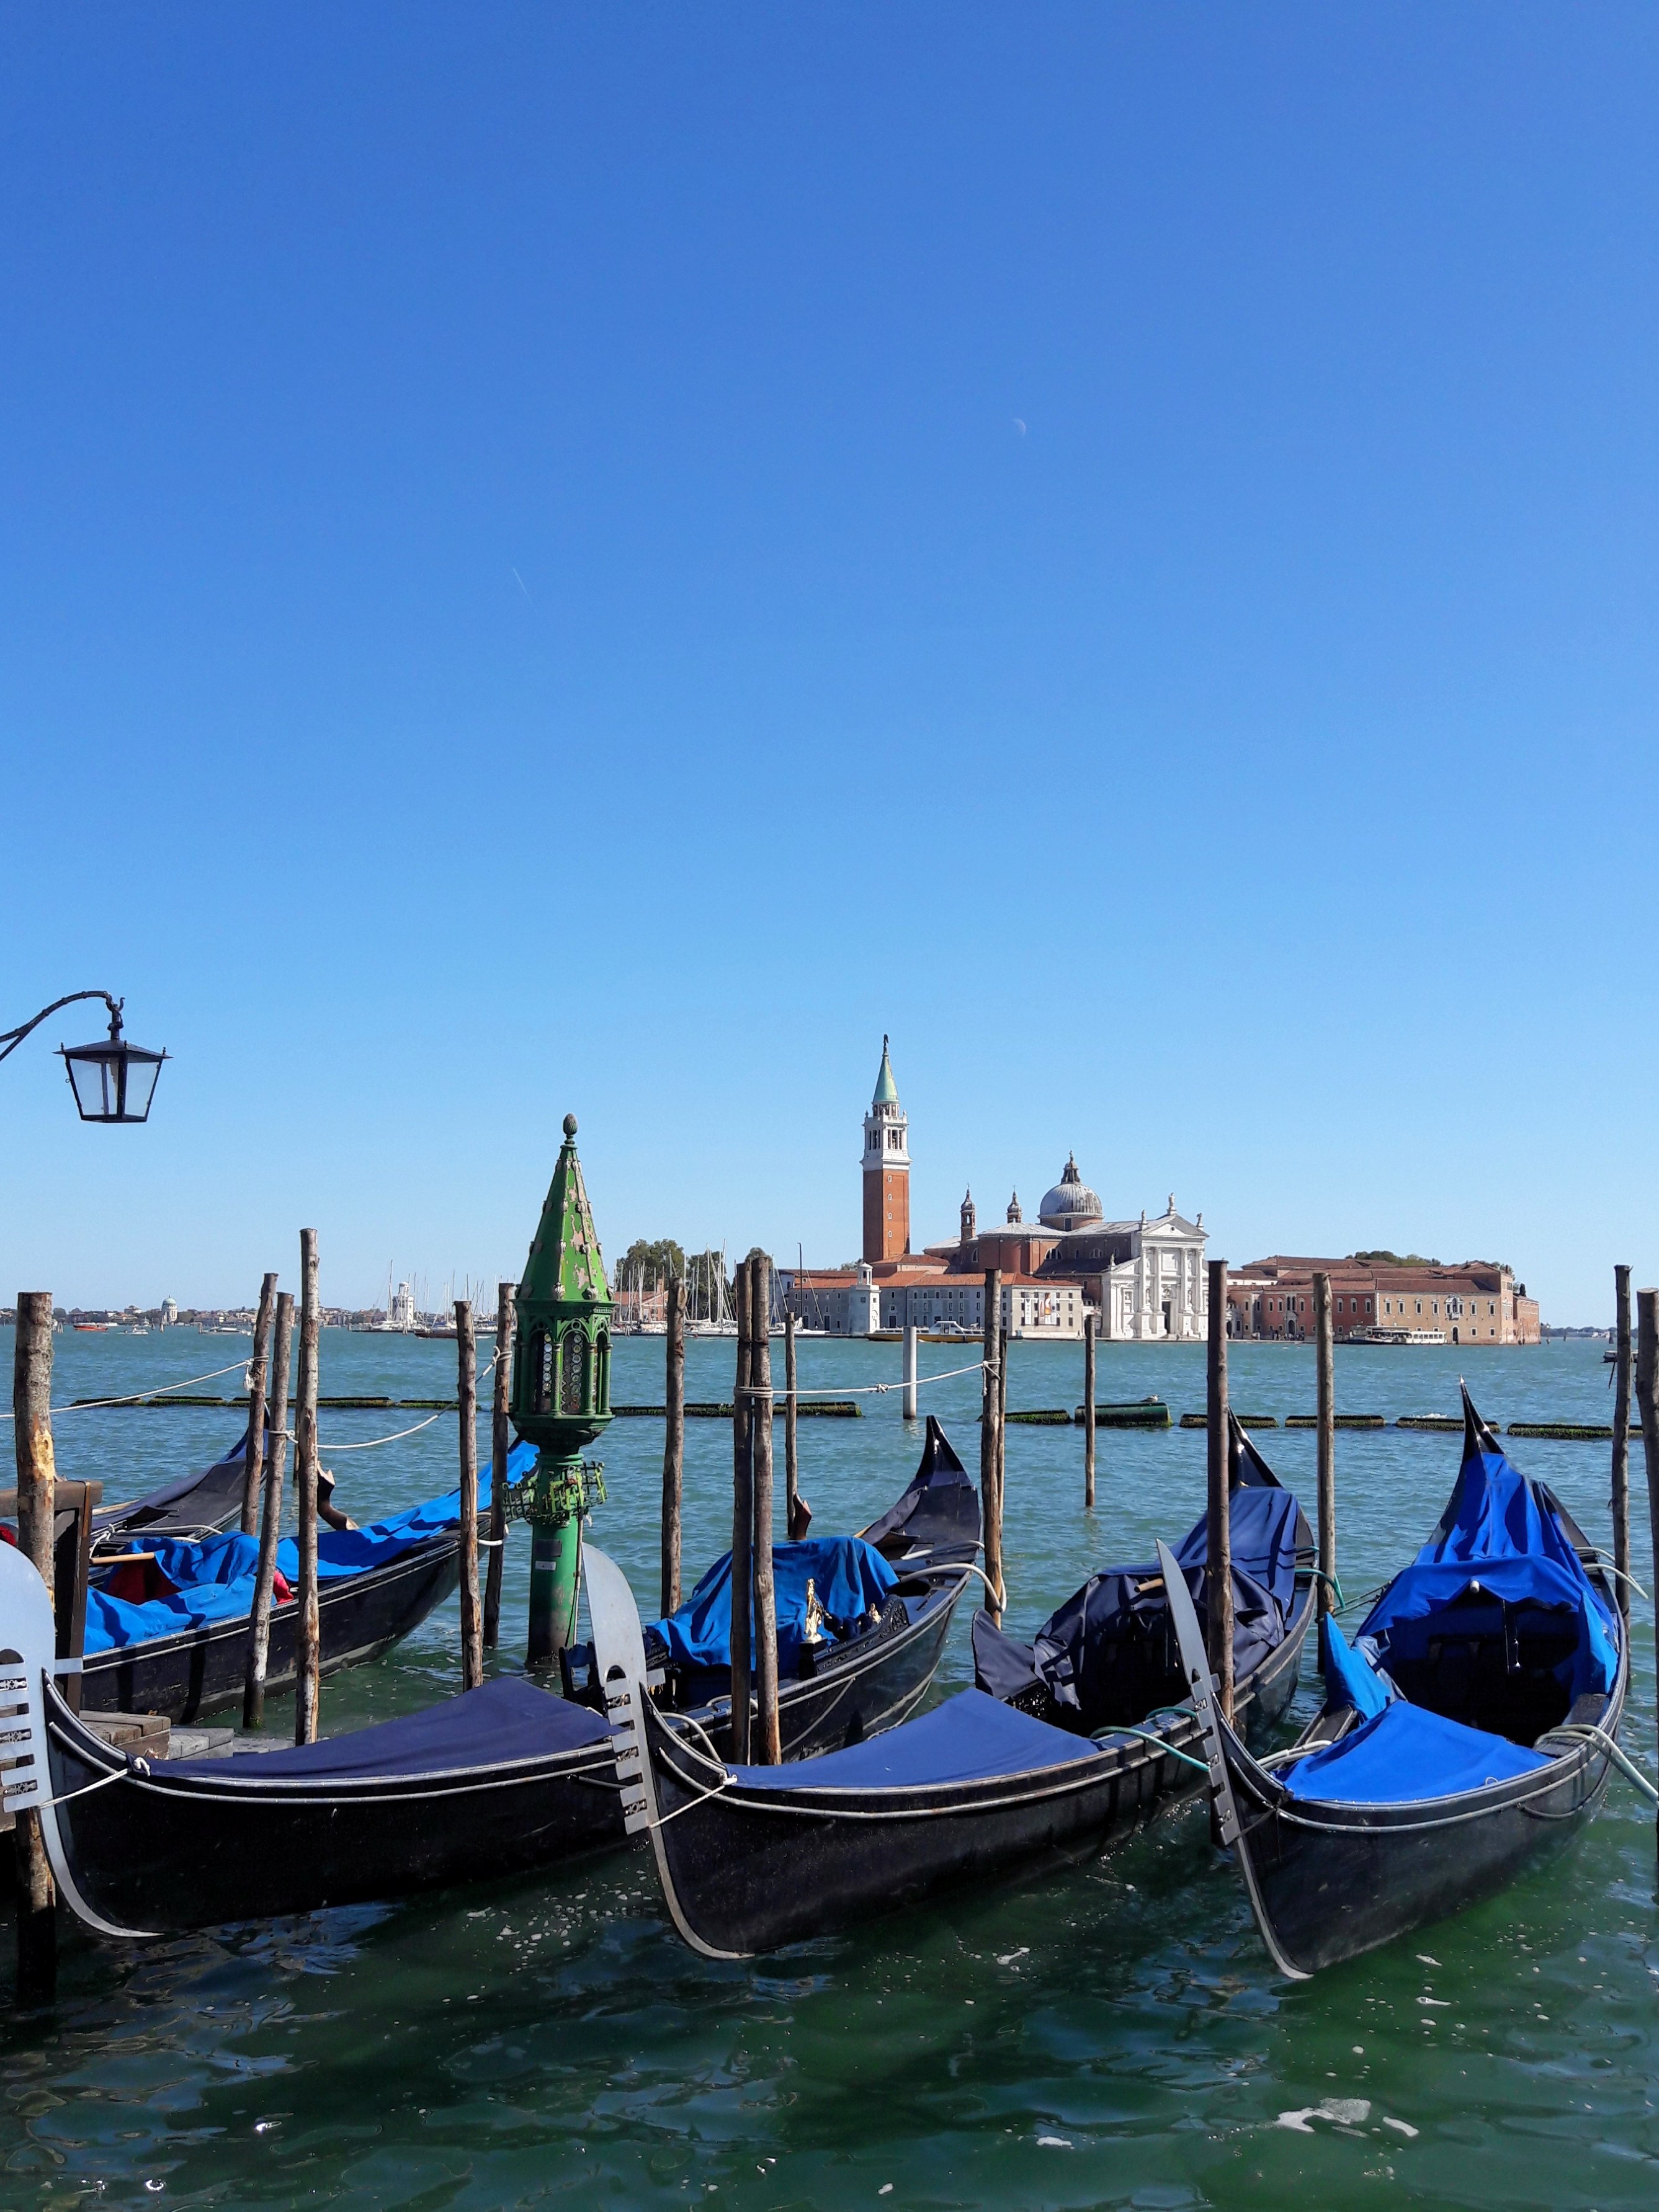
(561, 1395)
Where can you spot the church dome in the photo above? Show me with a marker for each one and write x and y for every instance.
(1071, 1204)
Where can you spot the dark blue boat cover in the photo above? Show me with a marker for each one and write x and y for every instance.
(214, 1580)
(156, 1502)
(1108, 1654)
(1404, 1754)
(1350, 1679)
(969, 1738)
(1501, 1541)
(849, 1578)
(494, 1725)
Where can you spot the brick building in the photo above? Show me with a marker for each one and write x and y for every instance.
(1478, 1303)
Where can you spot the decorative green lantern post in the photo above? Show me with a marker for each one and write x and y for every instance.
(561, 1395)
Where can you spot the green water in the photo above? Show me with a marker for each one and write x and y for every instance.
(1108, 2035)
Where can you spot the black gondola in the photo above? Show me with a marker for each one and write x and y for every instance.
(753, 1857)
(1473, 1725)
(201, 1504)
(501, 1779)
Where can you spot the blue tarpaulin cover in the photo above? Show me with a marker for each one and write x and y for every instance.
(850, 1577)
(1262, 1526)
(969, 1738)
(1350, 1680)
(1404, 1754)
(1502, 1542)
(214, 1580)
(494, 1725)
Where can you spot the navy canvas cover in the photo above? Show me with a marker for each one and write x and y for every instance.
(1405, 1755)
(1108, 1654)
(1500, 1542)
(156, 1504)
(496, 1724)
(969, 1738)
(213, 1579)
(850, 1577)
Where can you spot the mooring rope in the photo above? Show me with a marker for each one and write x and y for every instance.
(1587, 1732)
(133, 1397)
(860, 1390)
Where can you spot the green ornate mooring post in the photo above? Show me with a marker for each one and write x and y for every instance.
(561, 1395)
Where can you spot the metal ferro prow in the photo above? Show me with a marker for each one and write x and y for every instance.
(619, 1669)
(1195, 1667)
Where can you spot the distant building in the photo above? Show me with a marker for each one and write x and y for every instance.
(169, 1313)
(1145, 1280)
(1478, 1303)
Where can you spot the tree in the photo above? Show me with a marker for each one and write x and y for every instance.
(648, 1267)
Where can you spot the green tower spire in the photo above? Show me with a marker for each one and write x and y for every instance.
(561, 1394)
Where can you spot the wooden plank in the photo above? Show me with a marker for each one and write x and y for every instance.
(767, 1746)
(673, 1446)
(271, 1521)
(308, 1636)
(466, 1397)
(254, 1459)
(31, 1406)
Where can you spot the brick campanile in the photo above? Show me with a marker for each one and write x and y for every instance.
(886, 1170)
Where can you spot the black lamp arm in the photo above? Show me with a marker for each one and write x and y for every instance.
(10, 1039)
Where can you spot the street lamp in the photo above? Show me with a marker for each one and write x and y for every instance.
(113, 1080)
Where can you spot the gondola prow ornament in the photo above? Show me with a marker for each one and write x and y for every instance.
(560, 1396)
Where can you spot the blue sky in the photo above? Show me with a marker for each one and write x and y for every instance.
(600, 558)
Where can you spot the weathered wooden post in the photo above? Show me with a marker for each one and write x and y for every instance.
(990, 1504)
(31, 1406)
(1621, 1444)
(767, 1746)
(307, 1623)
(561, 1394)
(797, 1513)
(270, 1520)
(673, 1447)
(1218, 1525)
(466, 1395)
(1088, 1413)
(1003, 1365)
(742, 1519)
(501, 1444)
(1325, 1356)
(253, 1464)
(1647, 1399)
(910, 1335)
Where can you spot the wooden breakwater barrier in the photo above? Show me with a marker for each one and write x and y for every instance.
(1244, 1420)
(834, 1409)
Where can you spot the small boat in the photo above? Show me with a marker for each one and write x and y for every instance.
(1472, 1725)
(173, 1638)
(502, 1779)
(752, 1857)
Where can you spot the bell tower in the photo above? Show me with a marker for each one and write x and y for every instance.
(886, 1170)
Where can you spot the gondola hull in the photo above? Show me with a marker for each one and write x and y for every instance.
(211, 1843)
(747, 1866)
(1335, 1880)
(161, 1852)
(203, 1670)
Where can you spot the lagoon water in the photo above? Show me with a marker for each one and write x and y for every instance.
(1109, 2034)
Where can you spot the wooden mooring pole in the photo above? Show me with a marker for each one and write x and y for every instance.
(1325, 1356)
(990, 1504)
(270, 1520)
(673, 1447)
(307, 1625)
(1621, 1500)
(253, 1462)
(1647, 1399)
(1088, 1413)
(1219, 1578)
(501, 1444)
(767, 1746)
(31, 1405)
(466, 1399)
(743, 1521)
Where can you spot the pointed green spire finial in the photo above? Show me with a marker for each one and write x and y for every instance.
(886, 1089)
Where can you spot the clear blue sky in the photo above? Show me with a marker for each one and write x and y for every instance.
(602, 557)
